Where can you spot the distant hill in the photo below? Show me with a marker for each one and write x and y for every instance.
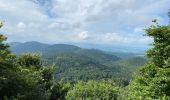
(133, 63)
(98, 55)
(75, 63)
(124, 55)
(115, 48)
(34, 47)
(57, 49)
(54, 50)
(13, 44)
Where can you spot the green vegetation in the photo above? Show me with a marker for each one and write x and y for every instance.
(73, 63)
(153, 80)
(87, 74)
(94, 90)
(133, 63)
(25, 78)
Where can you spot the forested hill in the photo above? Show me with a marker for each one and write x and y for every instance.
(75, 63)
(19, 48)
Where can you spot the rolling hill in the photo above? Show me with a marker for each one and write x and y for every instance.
(75, 63)
(34, 47)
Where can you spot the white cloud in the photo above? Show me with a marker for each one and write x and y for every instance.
(21, 25)
(66, 20)
(60, 26)
(83, 35)
(111, 38)
(21, 10)
(124, 12)
(139, 30)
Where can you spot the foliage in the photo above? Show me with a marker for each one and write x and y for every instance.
(74, 63)
(153, 80)
(93, 90)
(59, 91)
(28, 60)
(88, 65)
(75, 67)
(25, 78)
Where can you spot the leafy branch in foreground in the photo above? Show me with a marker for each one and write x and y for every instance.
(25, 78)
(153, 80)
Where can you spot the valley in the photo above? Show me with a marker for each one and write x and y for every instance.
(73, 63)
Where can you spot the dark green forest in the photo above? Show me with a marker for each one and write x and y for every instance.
(37, 71)
(73, 63)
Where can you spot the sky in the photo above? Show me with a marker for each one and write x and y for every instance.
(105, 22)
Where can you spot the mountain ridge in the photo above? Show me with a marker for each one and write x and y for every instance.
(76, 63)
(103, 47)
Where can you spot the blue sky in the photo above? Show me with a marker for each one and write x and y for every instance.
(81, 21)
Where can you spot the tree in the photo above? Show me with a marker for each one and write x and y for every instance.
(29, 60)
(25, 78)
(8, 71)
(93, 90)
(59, 91)
(153, 80)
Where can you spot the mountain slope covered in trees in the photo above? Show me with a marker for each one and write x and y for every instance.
(75, 63)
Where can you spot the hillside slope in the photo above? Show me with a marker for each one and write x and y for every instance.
(34, 47)
(75, 63)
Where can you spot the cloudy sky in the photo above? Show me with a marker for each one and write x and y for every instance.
(81, 21)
